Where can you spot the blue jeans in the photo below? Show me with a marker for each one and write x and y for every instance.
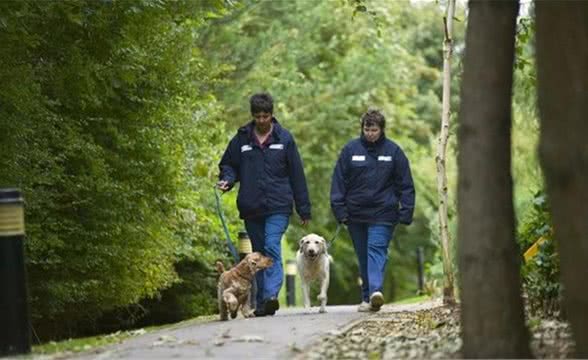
(371, 246)
(266, 234)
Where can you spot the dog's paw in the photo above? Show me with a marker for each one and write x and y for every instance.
(322, 310)
(321, 297)
(249, 314)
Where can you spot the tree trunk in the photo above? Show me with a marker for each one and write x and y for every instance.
(493, 324)
(448, 288)
(562, 64)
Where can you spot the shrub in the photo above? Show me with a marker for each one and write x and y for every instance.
(540, 273)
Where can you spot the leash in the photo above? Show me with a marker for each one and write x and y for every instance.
(330, 243)
(221, 215)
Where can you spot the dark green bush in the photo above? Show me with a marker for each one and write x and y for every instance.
(107, 124)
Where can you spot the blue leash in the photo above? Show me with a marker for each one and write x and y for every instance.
(221, 215)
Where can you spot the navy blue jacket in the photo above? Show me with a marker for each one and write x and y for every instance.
(272, 179)
(372, 183)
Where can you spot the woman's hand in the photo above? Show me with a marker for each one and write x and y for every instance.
(223, 185)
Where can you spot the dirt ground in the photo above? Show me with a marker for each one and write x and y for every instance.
(427, 333)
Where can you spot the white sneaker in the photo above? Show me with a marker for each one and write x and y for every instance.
(364, 307)
(376, 301)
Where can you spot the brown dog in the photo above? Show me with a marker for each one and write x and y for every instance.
(234, 285)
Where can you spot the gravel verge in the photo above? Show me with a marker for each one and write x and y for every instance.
(420, 331)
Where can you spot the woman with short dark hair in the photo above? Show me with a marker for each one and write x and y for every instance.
(264, 158)
(371, 192)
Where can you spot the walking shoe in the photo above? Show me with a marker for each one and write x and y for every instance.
(259, 313)
(364, 307)
(270, 306)
(376, 301)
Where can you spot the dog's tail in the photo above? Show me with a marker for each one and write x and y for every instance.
(220, 267)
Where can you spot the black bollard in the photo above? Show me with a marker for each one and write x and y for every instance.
(291, 282)
(245, 248)
(15, 336)
(420, 260)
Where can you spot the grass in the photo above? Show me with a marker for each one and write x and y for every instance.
(88, 343)
(83, 344)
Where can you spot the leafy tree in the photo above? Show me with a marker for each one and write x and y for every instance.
(101, 105)
(324, 76)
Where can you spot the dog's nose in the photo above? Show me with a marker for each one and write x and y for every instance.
(311, 252)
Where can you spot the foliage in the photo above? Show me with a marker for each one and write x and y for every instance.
(322, 81)
(107, 121)
(541, 273)
(115, 115)
(524, 56)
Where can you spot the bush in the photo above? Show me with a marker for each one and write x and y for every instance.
(540, 274)
(103, 107)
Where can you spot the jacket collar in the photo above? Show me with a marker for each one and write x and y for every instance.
(372, 145)
(247, 129)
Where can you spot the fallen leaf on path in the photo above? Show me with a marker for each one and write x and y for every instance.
(191, 342)
(165, 339)
(218, 342)
(250, 338)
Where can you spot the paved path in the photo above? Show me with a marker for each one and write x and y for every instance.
(276, 337)
(283, 336)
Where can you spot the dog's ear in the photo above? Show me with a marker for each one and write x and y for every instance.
(252, 260)
(220, 268)
(251, 264)
(323, 244)
(302, 241)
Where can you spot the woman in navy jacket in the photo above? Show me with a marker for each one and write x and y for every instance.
(371, 192)
(263, 157)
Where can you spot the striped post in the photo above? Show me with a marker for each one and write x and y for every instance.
(245, 248)
(291, 282)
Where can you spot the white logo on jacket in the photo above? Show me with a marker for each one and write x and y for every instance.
(246, 148)
(384, 158)
(277, 146)
(358, 158)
